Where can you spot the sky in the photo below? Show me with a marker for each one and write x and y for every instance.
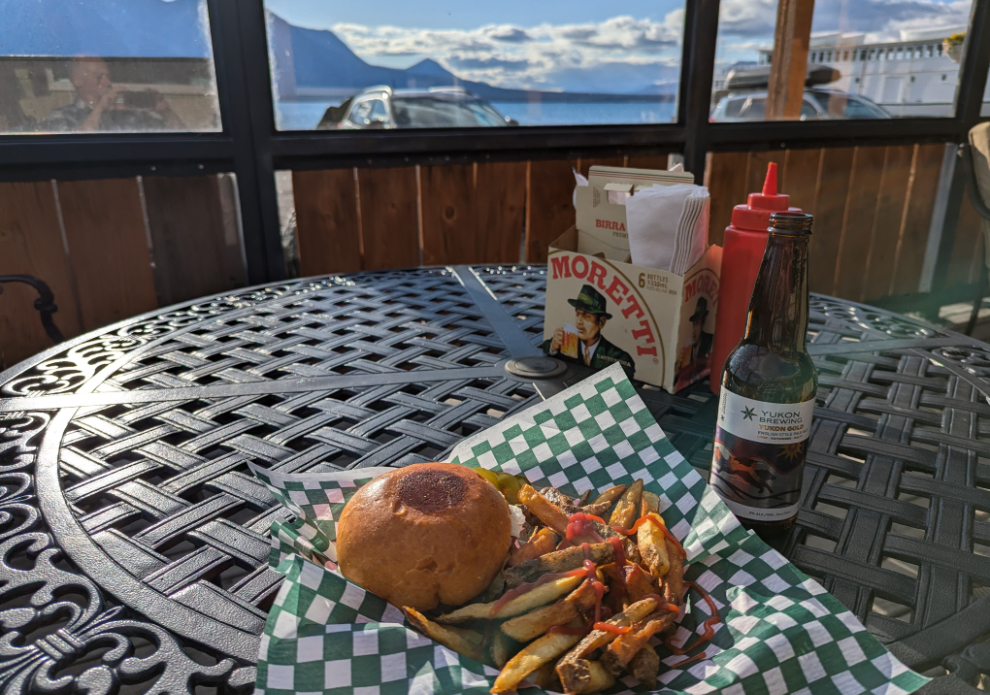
(582, 43)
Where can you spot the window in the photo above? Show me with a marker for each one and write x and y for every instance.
(476, 64)
(847, 42)
(101, 69)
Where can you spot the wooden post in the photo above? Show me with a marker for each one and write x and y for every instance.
(789, 64)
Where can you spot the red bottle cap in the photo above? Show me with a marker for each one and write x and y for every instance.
(755, 215)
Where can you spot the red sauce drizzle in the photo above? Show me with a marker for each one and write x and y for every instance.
(709, 624)
(609, 627)
(580, 525)
(620, 563)
(656, 521)
(690, 660)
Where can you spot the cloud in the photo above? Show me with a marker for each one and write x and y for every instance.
(509, 34)
(532, 56)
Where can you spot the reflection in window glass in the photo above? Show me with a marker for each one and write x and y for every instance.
(866, 58)
(76, 66)
(471, 64)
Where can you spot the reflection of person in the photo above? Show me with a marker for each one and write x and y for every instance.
(701, 342)
(593, 349)
(99, 105)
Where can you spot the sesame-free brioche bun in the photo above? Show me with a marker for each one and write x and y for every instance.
(426, 534)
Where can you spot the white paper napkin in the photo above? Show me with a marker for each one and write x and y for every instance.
(664, 227)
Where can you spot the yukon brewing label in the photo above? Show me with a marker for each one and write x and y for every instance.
(759, 455)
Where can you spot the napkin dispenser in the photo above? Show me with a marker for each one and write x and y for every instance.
(601, 309)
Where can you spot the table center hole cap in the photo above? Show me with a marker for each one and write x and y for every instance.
(535, 367)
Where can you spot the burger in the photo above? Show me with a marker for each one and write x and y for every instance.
(425, 535)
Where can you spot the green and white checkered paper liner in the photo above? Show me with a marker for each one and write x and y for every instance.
(781, 632)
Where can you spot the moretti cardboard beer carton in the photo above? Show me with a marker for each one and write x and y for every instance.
(602, 309)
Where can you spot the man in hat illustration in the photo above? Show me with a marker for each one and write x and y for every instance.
(594, 350)
(701, 342)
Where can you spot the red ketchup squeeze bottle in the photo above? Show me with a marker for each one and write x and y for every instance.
(742, 251)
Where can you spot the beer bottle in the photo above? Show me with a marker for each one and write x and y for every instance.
(767, 393)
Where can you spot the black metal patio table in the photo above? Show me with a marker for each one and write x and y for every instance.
(133, 539)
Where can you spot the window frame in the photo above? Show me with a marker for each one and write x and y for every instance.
(250, 146)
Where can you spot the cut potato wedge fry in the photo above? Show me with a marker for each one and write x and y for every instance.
(652, 544)
(542, 542)
(557, 561)
(597, 639)
(623, 648)
(610, 496)
(624, 514)
(534, 598)
(543, 509)
(544, 676)
(673, 581)
(502, 649)
(598, 679)
(650, 504)
(532, 657)
(645, 666)
(531, 625)
(464, 642)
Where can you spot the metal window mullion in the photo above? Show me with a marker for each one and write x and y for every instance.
(240, 48)
(695, 91)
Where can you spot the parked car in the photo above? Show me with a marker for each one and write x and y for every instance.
(818, 104)
(384, 108)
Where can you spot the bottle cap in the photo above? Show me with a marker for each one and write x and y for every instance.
(790, 223)
(755, 215)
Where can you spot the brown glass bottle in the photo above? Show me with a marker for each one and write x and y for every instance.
(768, 388)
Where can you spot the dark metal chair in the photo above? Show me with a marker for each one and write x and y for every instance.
(45, 303)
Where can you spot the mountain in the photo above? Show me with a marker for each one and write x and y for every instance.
(316, 64)
(108, 28)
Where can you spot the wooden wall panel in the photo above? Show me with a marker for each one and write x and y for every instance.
(798, 178)
(108, 245)
(756, 170)
(857, 225)
(725, 177)
(550, 207)
(888, 223)
(195, 253)
(830, 208)
(448, 214)
(909, 259)
(500, 196)
(389, 217)
(656, 161)
(31, 244)
(328, 226)
(963, 266)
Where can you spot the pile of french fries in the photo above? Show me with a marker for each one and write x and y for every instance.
(543, 630)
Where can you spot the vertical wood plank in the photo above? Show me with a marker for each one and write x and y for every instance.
(108, 248)
(500, 198)
(889, 221)
(550, 207)
(965, 245)
(389, 217)
(830, 208)
(31, 244)
(194, 254)
(328, 228)
(449, 214)
(861, 208)
(725, 177)
(799, 178)
(910, 256)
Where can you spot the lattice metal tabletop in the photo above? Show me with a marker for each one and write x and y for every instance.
(133, 542)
